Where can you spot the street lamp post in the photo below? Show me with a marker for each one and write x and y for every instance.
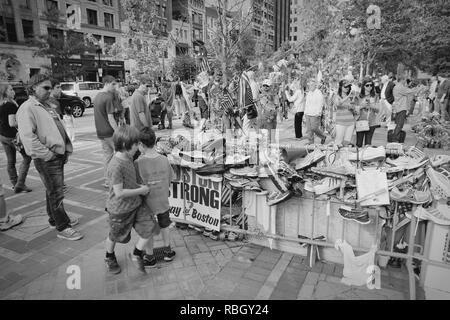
(100, 70)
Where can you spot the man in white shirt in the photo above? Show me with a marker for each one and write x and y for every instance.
(299, 107)
(432, 95)
(386, 110)
(313, 111)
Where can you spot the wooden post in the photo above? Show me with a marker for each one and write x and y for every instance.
(411, 245)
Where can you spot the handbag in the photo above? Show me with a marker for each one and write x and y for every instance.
(362, 125)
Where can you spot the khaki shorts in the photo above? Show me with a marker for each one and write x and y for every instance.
(121, 224)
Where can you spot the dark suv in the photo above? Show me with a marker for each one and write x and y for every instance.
(72, 104)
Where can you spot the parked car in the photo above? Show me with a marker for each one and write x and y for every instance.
(86, 91)
(72, 104)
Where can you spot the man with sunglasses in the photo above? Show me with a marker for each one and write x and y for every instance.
(44, 139)
(402, 95)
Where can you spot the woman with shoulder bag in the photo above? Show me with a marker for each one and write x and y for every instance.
(368, 110)
(345, 113)
(8, 133)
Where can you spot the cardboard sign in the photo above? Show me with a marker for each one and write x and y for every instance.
(73, 13)
(196, 199)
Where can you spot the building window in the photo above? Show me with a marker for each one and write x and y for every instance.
(108, 3)
(27, 26)
(109, 20)
(56, 34)
(52, 5)
(9, 35)
(109, 40)
(92, 16)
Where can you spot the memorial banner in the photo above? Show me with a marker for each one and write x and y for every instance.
(196, 199)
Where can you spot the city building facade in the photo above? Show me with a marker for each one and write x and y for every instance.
(25, 20)
(190, 13)
(282, 22)
(295, 18)
(262, 13)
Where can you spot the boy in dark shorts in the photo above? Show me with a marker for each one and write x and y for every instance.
(156, 172)
(124, 204)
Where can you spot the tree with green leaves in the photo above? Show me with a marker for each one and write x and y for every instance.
(62, 46)
(231, 42)
(184, 67)
(336, 32)
(144, 44)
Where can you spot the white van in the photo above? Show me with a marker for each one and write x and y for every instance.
(85, 90)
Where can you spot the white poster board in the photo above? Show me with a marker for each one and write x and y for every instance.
(196, 199)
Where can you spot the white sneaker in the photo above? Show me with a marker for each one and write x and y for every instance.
(310, 159)
(439, 215)
(326, 185)
(69, 234)
(406, 163)
(369, 154)
(439, 160)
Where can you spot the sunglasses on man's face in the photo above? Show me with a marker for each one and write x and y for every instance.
(369, 85)
(47, 88)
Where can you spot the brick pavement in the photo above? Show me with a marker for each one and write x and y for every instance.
(33, 262)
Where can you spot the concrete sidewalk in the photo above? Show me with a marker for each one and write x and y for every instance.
(34, 263)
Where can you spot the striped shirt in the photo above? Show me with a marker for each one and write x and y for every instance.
(344, 111)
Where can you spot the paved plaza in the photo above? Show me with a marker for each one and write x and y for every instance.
(34, 263)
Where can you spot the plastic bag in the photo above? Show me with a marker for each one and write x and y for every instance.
(70, 126)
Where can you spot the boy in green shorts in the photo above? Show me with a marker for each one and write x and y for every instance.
(156, 172)
(124, 204)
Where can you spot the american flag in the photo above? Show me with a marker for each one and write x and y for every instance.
(204, 65)
(227, 103)
(245, 92)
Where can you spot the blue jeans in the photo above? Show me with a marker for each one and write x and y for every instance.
(51, 173)
(400, 119)
(10, 151)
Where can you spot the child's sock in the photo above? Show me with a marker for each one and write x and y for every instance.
(110, 255)
(137, 252)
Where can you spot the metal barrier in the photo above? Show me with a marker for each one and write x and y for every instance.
(409, 256)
